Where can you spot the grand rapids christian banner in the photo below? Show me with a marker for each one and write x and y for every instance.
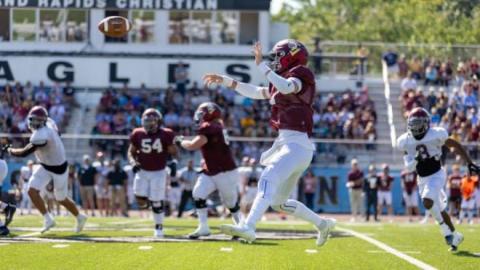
(142, 4)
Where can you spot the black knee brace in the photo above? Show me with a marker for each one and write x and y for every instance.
(235, 208)
(199, 204)
(142, 206)
(157, 207)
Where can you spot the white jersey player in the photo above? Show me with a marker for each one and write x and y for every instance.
(48, 148)
(7, 208)
(422, 147)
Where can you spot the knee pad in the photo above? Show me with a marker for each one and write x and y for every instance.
(235, 208)
(157, 207)
(199, 203)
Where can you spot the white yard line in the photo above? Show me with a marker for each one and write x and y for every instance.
(389, 249)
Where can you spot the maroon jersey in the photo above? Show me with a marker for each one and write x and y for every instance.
(294, 111)
(216, 152)
(455, 181)
(385, 183)
(152, 148)
(354, 176)
(409, 180)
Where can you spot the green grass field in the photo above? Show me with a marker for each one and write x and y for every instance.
(62, 249)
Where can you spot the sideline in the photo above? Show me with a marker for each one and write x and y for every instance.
(388, 249)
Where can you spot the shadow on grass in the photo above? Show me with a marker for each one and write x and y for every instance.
(465, 253)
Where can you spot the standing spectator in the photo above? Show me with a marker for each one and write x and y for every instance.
(130, 195)
(468, 198)
(101, 185)
(88, 177)
(117, 182)
(188, 177)
(454, 182)
(409, 83)
(309, 187)
(355, 185)
(410, 193)
(69, 95)
(402, 67)
(390, 57)
(181, 77)
(431, 75)
(317, 61)
(385, 191)
(371, 189)
(25, 174)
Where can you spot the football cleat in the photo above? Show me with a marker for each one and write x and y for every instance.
(81, 220)
(158, 233)
(324, 232)
(200, 231)
(243, 232)
(47, 225)
(457, 239)
(4, 231)
(9, 212)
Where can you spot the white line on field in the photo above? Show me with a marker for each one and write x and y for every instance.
(29, 234)
(389, 249)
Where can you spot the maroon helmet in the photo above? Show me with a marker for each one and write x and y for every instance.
(151, 120)
(287, 54)
(418, 123)
(37, 117)
(207, 112)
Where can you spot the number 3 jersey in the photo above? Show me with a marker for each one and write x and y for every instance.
(429, 150)
(216, 152)
(152, 148)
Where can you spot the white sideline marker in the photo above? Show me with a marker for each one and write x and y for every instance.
(60, 246)
(145, 247)
(226, 249)
(389, 249)
(311, 251)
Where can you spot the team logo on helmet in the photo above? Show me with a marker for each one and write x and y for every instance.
(418, 123)
(151, 120)
(37, 117)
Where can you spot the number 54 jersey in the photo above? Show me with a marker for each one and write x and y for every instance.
(152, 148)
(429, 148)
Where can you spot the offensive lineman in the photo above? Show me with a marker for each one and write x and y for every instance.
(219, 170)
(422, 146)
(150, 146)
(291, 92)
(48, 148)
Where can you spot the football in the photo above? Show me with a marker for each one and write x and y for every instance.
(114, 26)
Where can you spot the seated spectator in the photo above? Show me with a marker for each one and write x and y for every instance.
(431, 75)
(409, 83)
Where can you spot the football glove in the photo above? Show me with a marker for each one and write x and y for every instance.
(135, 168)
(5, 149)
(173, 167)
(178, 140)
(473, 169)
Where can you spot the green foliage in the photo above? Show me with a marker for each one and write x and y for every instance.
(398, 21)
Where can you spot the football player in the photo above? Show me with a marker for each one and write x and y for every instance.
(8, 209)
(410, 192)
(422, 147)
(48, 148)
(291, 92)
(219, 169)
(150, 147)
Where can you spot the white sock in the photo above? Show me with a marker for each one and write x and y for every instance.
(158, 218)
(3, 206)
(437, 215)
(302, 212)
(48, 216)
(259, 207)
(237, 217)
(202, 217)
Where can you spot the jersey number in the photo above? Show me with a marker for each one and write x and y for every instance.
(226, 138)
(422, 150)
(148, 147)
